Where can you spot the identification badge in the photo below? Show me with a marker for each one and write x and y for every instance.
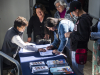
(57, 35)
(75, 28)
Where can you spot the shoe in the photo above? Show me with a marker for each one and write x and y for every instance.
(12, 72)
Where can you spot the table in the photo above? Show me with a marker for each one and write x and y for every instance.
(25, 65)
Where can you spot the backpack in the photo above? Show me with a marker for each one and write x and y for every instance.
(94, 28)
(81, 56)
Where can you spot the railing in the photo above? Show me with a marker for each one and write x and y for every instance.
(10, 59)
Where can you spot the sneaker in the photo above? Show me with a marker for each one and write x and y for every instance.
(12, 72)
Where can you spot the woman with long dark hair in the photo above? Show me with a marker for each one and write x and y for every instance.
(36, 25)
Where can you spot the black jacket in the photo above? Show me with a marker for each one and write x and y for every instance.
(80, 35)
(37, 27)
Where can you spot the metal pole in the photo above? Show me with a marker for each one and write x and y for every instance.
(31, 7)
(99, 9)
(1, 70)
(12, 60)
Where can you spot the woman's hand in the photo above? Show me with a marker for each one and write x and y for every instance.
(56, 52)
(26, 42)
(46, 36)
(67, 34)
(29, 39)
(49, 47)
(41, 50)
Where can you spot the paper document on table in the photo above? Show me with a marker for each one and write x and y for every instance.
(33, 58)
(48, 52)
(22, 50)
(29, 58)
(30, 44)
(42, 46)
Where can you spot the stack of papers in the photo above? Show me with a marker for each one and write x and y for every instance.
(48, 52)
(22, 50)
(42, 46)
(39, 63)
(56, 63)
(61, 70)
(30, 44)
(40, 69)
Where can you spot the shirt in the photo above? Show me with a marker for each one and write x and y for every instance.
(81, 33)
(18, 41)
(37, 28)
(63, 27)
(62, 14)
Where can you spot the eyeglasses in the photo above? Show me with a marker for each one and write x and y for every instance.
(37, 6)
(58, 6)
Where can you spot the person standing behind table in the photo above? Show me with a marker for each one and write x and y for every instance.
(60, 27)
(62, 9)
(36, 25)
(80, 35)
(13, 41)
(96, 52)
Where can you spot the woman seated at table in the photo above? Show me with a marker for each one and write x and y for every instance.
(36, 25)
(13, 41)
(60, 27)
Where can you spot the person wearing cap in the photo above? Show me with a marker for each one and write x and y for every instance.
(96, 51)
(62, 9)
(36, 25)
(80, 35)
(13, 41)
(68, 2)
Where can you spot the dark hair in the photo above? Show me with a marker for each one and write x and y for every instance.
(20, 21)
(42, 7)
(51, 22)
(69, 1)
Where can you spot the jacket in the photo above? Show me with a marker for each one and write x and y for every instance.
(80, 35)
(67, 16)
(37, 27)
(63, 27)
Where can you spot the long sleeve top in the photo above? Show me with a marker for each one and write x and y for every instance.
(18, 41)
(37, 27)
(64, 26)
(81, 33)
(13, 42)
(96, 35)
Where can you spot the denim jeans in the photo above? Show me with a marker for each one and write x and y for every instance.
(78, 69)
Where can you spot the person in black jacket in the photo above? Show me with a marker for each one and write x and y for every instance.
(80, 35)
(36, 25)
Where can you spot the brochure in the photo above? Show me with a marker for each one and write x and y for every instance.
(48, 52)
(39, 69)
(56, 63)
(61, 70)
(40, 63)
